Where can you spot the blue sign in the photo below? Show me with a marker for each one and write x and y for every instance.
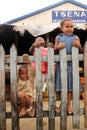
(76, 16)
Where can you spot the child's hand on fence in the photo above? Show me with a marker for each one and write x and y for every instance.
(26, 58)
(77, 44)
(61, 46)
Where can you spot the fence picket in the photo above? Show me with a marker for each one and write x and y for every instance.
(51, 89)
(76, 87)
(85, 90)
(63, 72)
(13, 74)
(39, 112)
(2, 91)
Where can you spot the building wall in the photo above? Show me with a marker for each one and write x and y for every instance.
(46, 16)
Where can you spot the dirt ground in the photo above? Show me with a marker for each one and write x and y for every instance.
(30, 123)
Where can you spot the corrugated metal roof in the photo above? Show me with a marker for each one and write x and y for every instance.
(47, 8)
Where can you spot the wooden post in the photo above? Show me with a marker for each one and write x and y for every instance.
(47, 39)
(76, 86)
(85, 91)
(2, 90)
(39, 110)
(63, 71)
(13, 73)
(51, 89)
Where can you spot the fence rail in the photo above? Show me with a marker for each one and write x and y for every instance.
(50, 113)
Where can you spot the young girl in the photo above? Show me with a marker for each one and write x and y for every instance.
(66, 40)
(40, 43)
(25, 93)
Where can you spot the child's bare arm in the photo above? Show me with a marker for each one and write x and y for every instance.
(31, 49)
(59, 46)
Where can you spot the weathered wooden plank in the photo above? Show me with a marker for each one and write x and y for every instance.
(63, 71)
(39, 84)
(85, 89)
(44, 58)
(76, 86)
(13, 72)
(51, 89)
(2, 91)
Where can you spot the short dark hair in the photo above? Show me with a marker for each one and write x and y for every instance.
(21, 67)
(64, 20)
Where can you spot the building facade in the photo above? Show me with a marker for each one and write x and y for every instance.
(53, 14)
(45, 22)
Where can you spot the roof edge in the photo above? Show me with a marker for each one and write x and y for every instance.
(46, 8)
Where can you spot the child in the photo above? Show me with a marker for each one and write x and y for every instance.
(40, 42)
(25, 93)
(66, 40)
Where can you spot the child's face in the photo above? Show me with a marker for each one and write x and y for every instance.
(23, 74)
(39, 42)
(68, 27)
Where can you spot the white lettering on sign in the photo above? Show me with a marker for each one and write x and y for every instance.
(56, 13)
(83, 14)
(75, 15)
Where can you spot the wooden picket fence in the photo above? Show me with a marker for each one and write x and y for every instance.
(50, 113)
